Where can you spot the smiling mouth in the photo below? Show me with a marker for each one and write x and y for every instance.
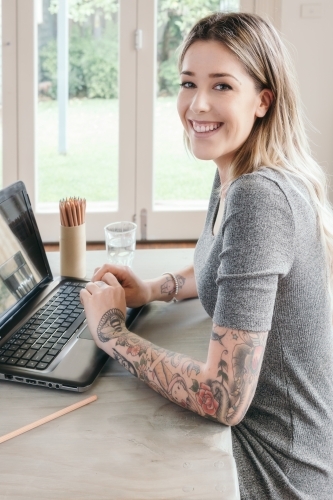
(202, 127)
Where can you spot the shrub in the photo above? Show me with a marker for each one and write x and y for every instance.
(169, 76)
(93, 67)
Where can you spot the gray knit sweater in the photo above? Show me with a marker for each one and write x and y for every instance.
(265, 270)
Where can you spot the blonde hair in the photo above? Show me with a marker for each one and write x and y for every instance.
(278, 140)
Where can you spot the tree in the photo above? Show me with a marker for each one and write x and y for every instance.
(81, 10)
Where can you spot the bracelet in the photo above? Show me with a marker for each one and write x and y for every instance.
(175, 280)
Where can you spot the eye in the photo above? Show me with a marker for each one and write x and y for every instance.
(187, 85)
(222, 86)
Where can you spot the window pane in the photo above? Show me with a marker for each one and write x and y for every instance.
(78, 155)
(180, 181)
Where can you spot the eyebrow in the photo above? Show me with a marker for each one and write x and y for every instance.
(211, 75)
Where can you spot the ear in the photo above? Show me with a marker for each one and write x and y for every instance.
(265, 100)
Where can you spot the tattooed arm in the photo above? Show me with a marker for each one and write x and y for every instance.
(220, 389)
(139, 292)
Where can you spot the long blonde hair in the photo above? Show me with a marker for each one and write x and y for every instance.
(278, 140)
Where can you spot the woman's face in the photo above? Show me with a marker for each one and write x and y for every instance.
(217, 103)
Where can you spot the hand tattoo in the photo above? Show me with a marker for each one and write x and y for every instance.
(111, 325)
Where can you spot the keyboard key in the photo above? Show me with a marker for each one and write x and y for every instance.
(45, 336)
(21, 362)
(25, 346)
(67, 335)
(3, 359)
(62, 341)
(53, 352)
(39, 354)
(57, 347)
(12, 361)
(9, 352)
(41, 366)
(48, 358)
(49, 345)
(29, 354)
(35, 346)
(19, 353)
(18, 342)
(31, 364)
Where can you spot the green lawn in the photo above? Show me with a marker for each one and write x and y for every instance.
(90, 168)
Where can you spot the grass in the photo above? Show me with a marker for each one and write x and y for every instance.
(90, 168)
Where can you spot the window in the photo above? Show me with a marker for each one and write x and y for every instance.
(114, 137)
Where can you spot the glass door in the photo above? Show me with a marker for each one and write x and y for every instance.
(174, 187)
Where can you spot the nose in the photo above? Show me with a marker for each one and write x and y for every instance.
(200, 102)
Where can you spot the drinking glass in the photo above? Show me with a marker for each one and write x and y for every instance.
(120, 242)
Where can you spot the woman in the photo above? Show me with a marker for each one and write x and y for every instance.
(264, 275)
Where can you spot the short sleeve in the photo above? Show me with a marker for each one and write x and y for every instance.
(257, 250)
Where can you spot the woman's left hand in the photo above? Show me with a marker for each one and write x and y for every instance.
(105, 307)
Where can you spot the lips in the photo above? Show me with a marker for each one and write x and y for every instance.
(204, 127)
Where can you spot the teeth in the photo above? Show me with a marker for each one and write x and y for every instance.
(205, 128)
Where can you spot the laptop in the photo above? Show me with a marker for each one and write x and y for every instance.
(44, 337)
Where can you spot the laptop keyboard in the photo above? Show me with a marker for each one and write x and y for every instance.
(46, 333)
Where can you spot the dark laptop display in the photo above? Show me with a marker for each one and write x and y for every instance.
(44, 338)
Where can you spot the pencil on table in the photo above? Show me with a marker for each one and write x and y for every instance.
(44, 420)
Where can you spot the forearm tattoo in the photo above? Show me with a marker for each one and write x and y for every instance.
(169, 288)
(224, 397)
(111, 325)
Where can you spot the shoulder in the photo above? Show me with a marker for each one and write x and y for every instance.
(262, 188)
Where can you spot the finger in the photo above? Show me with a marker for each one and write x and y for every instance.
(120, 272)
(101, 284)
(84, 296)
(110, 279)
(91, 287)
(96, 270)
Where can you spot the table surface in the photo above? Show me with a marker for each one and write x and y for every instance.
(131, 443)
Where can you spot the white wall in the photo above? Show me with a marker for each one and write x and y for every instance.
(312, 50)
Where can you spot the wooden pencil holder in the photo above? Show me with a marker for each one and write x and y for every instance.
(73, 251)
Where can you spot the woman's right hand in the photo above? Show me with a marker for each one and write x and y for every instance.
(137, 291)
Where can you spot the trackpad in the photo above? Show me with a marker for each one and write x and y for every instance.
(85, 334)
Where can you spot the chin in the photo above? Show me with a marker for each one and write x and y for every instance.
(202, 155)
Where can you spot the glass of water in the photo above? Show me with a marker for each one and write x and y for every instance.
(120, 242)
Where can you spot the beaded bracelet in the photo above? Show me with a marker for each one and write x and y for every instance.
(175, 280)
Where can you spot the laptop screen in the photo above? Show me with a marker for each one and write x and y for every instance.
(22, 265)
